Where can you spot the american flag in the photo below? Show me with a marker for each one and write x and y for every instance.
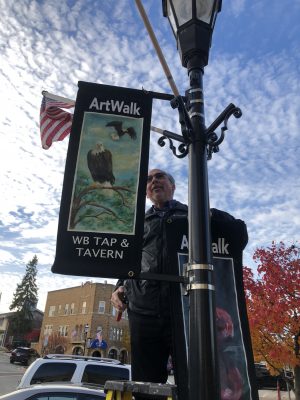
(55, 123)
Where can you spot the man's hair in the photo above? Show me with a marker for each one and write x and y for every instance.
(171, 179)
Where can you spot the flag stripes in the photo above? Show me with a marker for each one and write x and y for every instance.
(55, 123)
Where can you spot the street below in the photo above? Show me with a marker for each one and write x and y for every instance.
(10, 376)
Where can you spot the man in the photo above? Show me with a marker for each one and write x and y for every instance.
(148, 301)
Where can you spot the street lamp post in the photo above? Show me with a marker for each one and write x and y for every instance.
(192, 22)
(86, 329)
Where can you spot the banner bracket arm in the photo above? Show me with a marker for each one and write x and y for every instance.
(162, 277)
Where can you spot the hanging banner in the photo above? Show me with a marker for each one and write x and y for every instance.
(101, 216)
(237, 374)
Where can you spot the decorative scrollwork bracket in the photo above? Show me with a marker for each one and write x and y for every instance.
(183, 148)
(186, 130)
(213, 140)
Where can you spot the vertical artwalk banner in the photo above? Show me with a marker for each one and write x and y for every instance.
(236, 364)
(101, 216)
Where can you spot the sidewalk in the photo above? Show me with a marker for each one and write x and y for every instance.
(272, 395)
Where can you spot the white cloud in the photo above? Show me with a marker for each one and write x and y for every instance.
(255, 174)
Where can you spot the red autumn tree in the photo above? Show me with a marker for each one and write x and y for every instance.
(273, 305)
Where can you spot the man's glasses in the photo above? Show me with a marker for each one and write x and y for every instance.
(158, 175)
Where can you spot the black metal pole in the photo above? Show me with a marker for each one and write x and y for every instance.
(204, 382)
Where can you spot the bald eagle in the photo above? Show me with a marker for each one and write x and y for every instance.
(121, 132)
(99, 161)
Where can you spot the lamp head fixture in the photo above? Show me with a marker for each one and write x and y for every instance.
(192, 22)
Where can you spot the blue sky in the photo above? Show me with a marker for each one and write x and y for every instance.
(254, 63)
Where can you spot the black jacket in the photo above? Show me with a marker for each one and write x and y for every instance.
(151, 297)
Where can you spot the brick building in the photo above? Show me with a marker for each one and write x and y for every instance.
(11, 339)
(81, 320)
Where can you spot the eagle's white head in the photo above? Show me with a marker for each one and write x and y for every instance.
(99, 148)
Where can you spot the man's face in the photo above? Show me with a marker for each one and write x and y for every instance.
(159, 187)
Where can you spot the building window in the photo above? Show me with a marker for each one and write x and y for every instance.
(83, 309)
(116, 334)
(114, 312)
(51, 311)
(111, 333)
(74, 332)
(48, 330)
(63, 330)
(66, 312)
(72, 310)
(59, 309)
(101, 308)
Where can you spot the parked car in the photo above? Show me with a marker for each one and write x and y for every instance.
(265, 380)
(23, 355)
(75, 369)
(55, 392)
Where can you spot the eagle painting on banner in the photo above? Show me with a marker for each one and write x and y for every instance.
(107, 174)
(103, 200)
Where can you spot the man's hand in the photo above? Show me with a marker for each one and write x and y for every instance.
(117, 299)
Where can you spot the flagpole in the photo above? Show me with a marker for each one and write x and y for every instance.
(72, 102)
(157, 48)
(57, 98)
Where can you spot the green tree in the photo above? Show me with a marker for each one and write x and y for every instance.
(24, 301)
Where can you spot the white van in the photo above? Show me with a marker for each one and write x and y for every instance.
(75, 369)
